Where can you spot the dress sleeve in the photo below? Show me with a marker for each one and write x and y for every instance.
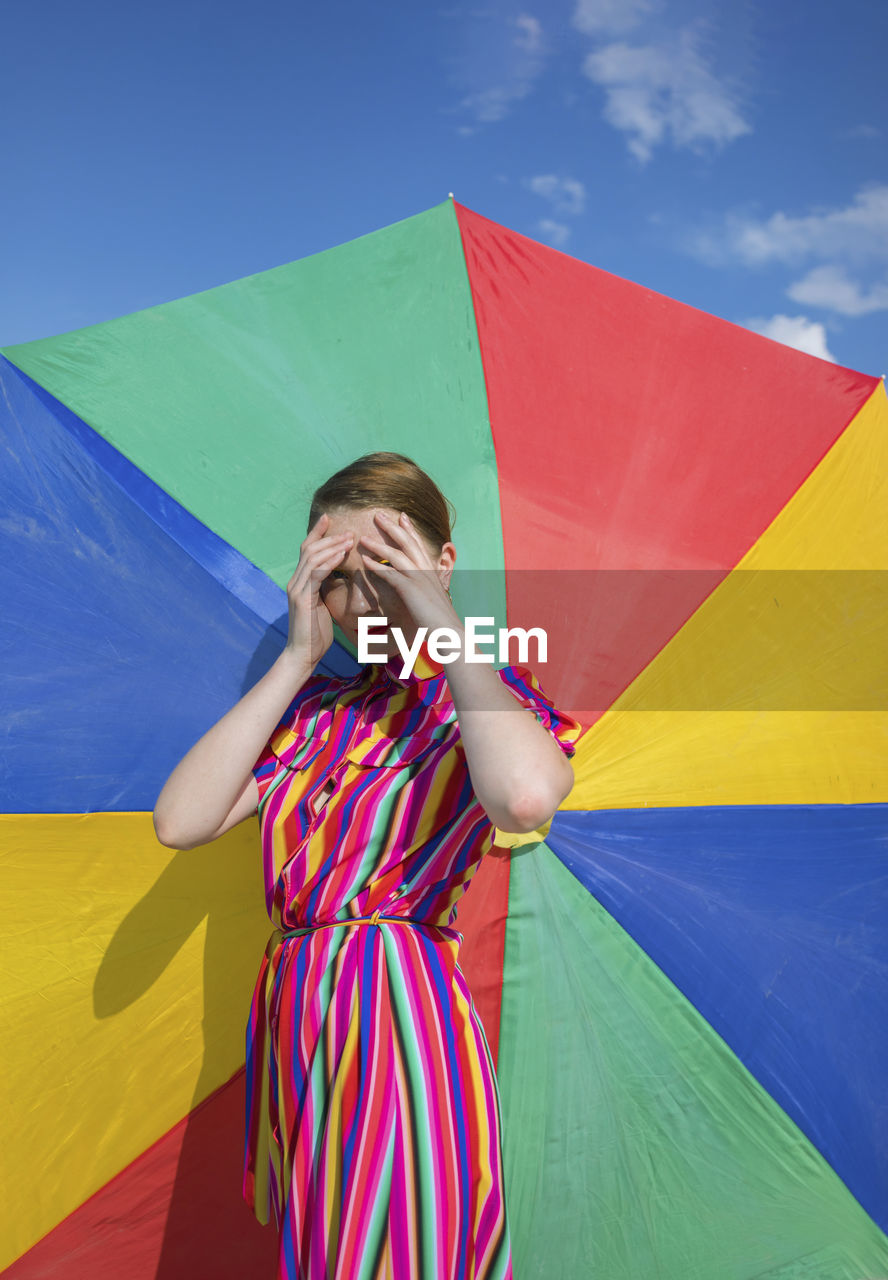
(530, 693)
(563, 728)
(264, 769)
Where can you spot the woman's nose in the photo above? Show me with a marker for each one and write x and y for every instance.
(363, 599)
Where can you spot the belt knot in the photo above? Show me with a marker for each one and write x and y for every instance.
(376, 918)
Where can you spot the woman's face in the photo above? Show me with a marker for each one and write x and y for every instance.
(349, 591)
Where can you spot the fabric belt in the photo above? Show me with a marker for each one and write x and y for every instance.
(374, 919)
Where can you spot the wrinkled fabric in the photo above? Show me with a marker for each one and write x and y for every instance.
(373, 1116)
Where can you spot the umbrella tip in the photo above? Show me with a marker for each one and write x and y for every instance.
(449, 195)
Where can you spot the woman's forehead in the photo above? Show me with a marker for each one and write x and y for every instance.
(361, 520)
(345, 518)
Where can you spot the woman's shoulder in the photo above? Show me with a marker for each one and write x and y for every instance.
(318, 698)
(528, 689)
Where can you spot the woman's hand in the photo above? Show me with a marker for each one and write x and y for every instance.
(421, 592)
(212, 787)
(311, 626)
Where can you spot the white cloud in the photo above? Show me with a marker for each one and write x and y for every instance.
(521, 60)
(832, 288)
(556, 233)
(610, 17)
(831, 239)
(666, 90)
(868, 131)
(530, 34)
(491, 105)
(858, 232)
(794, 331)
(566, 195)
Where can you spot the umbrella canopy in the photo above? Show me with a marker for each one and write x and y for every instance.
(682, 980)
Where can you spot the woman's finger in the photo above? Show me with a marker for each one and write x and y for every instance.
(327, 551)
(400, 558)
(377, 562)
(316, 531)
(404, 532)
(323, 550)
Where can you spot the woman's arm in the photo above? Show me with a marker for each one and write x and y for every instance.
(519, 773)
(212, 788)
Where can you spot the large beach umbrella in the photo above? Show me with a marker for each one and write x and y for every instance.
(683, 979)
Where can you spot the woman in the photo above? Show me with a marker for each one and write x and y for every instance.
(373, 1126)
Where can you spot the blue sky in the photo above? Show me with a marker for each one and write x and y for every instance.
(732, 155)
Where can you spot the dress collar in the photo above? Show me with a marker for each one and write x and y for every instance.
(424, 668)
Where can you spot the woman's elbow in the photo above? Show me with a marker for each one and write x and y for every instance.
(535, 808)
(170, 835)
(166, 835)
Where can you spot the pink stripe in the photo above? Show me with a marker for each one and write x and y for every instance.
(416, 863)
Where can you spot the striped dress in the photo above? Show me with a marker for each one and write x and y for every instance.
(373, 1122)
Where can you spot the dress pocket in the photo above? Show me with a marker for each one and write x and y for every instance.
(295, 750)
(380, 749)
